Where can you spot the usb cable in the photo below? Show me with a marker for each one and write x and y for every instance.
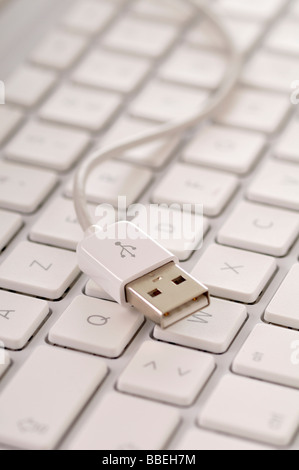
(131, 267)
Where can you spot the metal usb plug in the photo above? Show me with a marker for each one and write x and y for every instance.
(167, 295)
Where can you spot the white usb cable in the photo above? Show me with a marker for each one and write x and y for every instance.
(129, 265)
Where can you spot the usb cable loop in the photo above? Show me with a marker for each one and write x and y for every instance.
(147, 281)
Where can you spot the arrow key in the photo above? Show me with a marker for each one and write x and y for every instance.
(167, 373)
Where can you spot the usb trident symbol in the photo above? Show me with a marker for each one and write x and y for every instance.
(125, 249)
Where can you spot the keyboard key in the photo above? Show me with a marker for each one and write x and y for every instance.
(10, 224)
(251, 9)
(192, 67)
(154, 154)
(24, 189)
(252, 409)
(166, 102)
(81, 107)
(225, 149)
(39, 270)
(10, 118)
(244, 33)
(178, 13)
(29, 85)
(284, 37)
(54, 385)
(111, 180)
(47, 146)
(141, 37)
(4, 362)
(270, 71)
(197, 439)
(185, 184)
(172, 229)
(118, 72)
(212, 330)
(258, 228)
(96, 326)
(124, 423)
(94, 290)
(59, 50)
(58, 225)
(283, 309)
(167, 373)
(276, 184)
(255, 110)
(287, 148)
(89, 16)
(20, 317)
(258, 357)
(234, 274)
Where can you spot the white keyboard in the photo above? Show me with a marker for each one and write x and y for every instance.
(77, 371)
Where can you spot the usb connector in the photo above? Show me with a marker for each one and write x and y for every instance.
(135, 270)
(167, 295)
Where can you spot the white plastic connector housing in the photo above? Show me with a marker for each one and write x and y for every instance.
(120, 255)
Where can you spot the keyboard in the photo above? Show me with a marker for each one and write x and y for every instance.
(78, 371)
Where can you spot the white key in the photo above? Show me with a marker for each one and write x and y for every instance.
(251, 9)
(20, 317)
(59, 50)
(127, 423)
(4, 362)
(189, 66)
(284, 38)
(81, 107)
(29, 85)
(270, 71)
(156, 10)
(24, 189)
(154, 154)
(283, 309)
(225, 149)
(258, 228)
(141, 37)
(197, 439)
(93, 290)
(164, 102)
(212, 330)
(234, 274)
(10, 224)
(245, 34)
(186, 184)
(258, 357)
(114, 179)
(10, 118)
(253, 410)
(96, 326)
(167, 373)
(287, 147)
(276, 184)
(44, 398)
(256, 110)
(89, 16)
(58, 225)
(118, 72)
(170, 228)
(39, 270)
(47, 146)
